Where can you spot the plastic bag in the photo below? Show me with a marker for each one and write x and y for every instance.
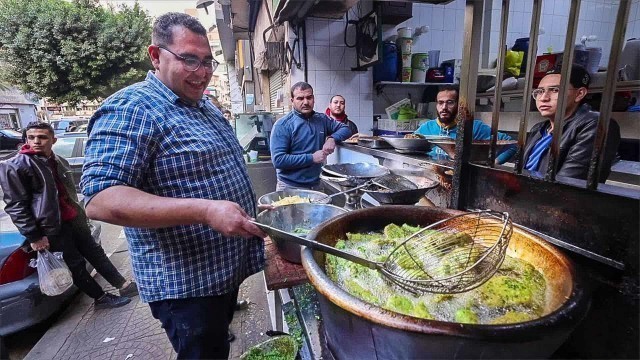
(513, 61)
(53, 274)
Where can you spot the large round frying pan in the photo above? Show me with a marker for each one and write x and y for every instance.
(402, 190)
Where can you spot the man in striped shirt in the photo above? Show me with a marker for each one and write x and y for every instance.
(163, 162)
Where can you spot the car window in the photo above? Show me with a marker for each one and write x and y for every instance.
(10, 132)
(64, 147)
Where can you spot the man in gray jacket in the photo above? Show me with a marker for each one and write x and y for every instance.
(579, 131)
(41, 200)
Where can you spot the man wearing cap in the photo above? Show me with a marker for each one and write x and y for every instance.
(578, 131)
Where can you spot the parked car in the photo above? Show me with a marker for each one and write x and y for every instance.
(10, 139)
(71, 147)
(21, 302)
(67, 124)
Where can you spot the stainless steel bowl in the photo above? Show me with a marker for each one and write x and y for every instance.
(404, 145)
(294, 217)
(272, 197)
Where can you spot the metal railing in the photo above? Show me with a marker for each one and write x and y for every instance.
(471, 55)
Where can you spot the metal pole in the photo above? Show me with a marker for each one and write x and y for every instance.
(606, 104)
(467, 100)
(567, 60)
(528, 82)
(497, 96)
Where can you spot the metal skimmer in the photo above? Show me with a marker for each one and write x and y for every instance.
(450, 256)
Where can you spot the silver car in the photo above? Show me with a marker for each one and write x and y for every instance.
(21, 302)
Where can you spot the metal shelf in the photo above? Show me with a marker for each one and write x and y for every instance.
(381, 84)
(633, 85)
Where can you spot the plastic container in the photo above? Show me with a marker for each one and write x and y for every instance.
(405, 32)
(418, 75)
(406, 74)
(406, 60)
(404, 44)
(434, 58)
(420, 61)
(595, 54)
(387, 69)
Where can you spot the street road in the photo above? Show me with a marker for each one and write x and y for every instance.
(19, 344)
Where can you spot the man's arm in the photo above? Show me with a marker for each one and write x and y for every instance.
(120, 149)
(18, 202)
(127, 206)
(576, 164)
(280, 148)
(338, 131)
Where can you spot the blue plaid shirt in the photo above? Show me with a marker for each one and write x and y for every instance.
(146, 137)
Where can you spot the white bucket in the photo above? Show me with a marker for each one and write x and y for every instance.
(418, 75)
(405, 32)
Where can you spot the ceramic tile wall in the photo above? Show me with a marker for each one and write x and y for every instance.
(329, 71)
(446, 28)
(633, 25)
(597, 17)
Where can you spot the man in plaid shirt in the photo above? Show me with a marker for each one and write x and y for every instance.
(162, 161)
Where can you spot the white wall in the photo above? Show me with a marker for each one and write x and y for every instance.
(633, 24)
(329, 71)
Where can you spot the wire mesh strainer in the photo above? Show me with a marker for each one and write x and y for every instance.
(450, 256)
(454, 255)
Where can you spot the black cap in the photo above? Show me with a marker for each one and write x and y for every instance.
(579, 76)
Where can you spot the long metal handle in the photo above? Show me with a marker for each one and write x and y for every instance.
(315, 245)
(314, 201)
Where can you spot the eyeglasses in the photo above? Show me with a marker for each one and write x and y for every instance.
(192, 63)
(447, 102)
(551, 90)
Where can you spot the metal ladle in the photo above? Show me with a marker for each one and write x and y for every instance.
(370, 182)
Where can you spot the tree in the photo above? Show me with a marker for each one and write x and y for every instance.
(72, 51)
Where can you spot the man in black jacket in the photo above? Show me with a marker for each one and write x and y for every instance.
(41, 200)
(579, 129)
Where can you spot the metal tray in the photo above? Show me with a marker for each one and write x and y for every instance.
(374, 143)
(408, 146)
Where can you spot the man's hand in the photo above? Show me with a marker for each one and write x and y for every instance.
(262, 207)
(329, 146)
(42, 244)
(230, 219)
(319, 156)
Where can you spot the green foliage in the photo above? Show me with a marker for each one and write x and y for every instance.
(72, 51)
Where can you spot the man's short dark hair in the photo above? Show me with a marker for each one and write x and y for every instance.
(579, 75)
(37, 125)
(163, 27)
(345, 100)
(301, 85)
(225, 111)
(442, 88)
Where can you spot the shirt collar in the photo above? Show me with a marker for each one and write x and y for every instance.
(446, 127)
(163, 90)
(302, 115)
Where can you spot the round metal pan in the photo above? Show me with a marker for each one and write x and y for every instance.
(402, 197)
(357, 170)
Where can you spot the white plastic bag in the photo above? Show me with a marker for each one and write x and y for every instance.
(53, 274)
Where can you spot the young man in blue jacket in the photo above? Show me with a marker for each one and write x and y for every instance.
(302, 140)
(445, 124)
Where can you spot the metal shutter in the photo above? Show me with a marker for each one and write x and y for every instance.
(276, 91)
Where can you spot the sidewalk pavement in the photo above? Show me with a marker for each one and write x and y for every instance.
(131, 332)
